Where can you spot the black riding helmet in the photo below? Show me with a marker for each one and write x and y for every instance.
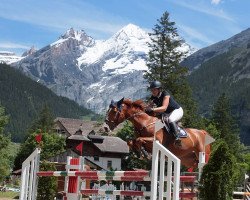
(155, 84)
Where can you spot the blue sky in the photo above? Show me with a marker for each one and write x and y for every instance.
(24, 23)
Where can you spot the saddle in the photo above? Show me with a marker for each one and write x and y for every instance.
(165, 120)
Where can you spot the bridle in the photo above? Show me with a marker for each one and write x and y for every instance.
(115, 121)
(117, 115)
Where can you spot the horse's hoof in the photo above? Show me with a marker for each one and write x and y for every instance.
(136, 155)
(141, 158)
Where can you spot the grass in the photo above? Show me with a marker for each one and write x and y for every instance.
(8, 195)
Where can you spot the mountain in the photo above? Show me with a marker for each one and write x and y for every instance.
(24, 98)
(224, 68)
(197, 58)
(92, 72)
(29, 52)
(9, 57)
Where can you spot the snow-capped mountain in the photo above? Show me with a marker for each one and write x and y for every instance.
(9, 57)
(124, 52)
(92, 72)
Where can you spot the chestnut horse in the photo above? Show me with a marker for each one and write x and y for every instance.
(144, 126)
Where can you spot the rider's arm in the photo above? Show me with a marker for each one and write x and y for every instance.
(164, 105)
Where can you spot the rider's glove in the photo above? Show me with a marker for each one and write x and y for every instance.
(149, 110)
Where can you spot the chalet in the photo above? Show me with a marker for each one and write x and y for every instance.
(103, 152)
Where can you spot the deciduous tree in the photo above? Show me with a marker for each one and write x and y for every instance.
(52, 143)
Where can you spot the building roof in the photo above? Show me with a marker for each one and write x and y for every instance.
(112, 144)
(73, 125)
(78, 137)
(86, 131)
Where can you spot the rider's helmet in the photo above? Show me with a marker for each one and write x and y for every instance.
(155, 84)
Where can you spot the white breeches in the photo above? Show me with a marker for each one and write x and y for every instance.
(175, 115)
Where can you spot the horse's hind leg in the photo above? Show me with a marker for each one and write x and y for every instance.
(200, 145)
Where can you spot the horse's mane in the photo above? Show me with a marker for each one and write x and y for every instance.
(137, 104)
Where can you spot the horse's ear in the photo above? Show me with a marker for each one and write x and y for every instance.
(119, 104)
(112, 104)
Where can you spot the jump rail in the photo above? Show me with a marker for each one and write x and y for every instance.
(161, 157)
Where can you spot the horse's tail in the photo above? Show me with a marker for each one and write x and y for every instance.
(207, 147)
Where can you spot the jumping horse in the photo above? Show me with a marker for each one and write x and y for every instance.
(144, 125)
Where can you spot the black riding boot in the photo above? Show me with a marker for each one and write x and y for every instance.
(174, 130)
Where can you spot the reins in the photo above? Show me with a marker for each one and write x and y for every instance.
(147, 125)
(115, 121)
(139, 113)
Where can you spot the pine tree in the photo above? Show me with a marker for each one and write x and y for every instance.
(24, 98)
(4, 144)
(3, 119)
(164, 56)
(219, 175)
(164, 65)
(44, 122)
(226, 124)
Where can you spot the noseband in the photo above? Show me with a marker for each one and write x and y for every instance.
(117, 115)
(113, 122)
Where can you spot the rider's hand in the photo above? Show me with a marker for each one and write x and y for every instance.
(149, 110)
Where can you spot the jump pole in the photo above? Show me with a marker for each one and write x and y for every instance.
(173, 170)
(30, 167)
(72, 183)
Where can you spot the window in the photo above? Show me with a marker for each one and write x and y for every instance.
(109, 164)
(96, 158)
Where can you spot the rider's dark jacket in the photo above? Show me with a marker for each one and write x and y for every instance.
(159, 100)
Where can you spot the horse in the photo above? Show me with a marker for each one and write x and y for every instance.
(144, 126)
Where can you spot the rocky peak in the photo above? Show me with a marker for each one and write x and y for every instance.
(77, 35)
(29, 52)
(129, 32)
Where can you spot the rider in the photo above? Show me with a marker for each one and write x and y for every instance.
(165, 104)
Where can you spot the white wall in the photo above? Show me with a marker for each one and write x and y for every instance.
(103, 162)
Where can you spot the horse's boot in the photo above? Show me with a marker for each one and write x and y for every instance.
(174, 129)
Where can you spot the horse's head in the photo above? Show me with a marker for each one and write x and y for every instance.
(114, 115)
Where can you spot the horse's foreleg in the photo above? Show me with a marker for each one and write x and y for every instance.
(134, 148)
(145, 144)
(146, 141)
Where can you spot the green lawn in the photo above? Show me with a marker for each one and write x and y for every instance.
(8, 195)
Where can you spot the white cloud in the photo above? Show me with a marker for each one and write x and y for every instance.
(215, 2)
(202, 8)
(194, 37)
(11, 45)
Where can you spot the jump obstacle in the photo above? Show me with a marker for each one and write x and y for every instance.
(75, 175)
